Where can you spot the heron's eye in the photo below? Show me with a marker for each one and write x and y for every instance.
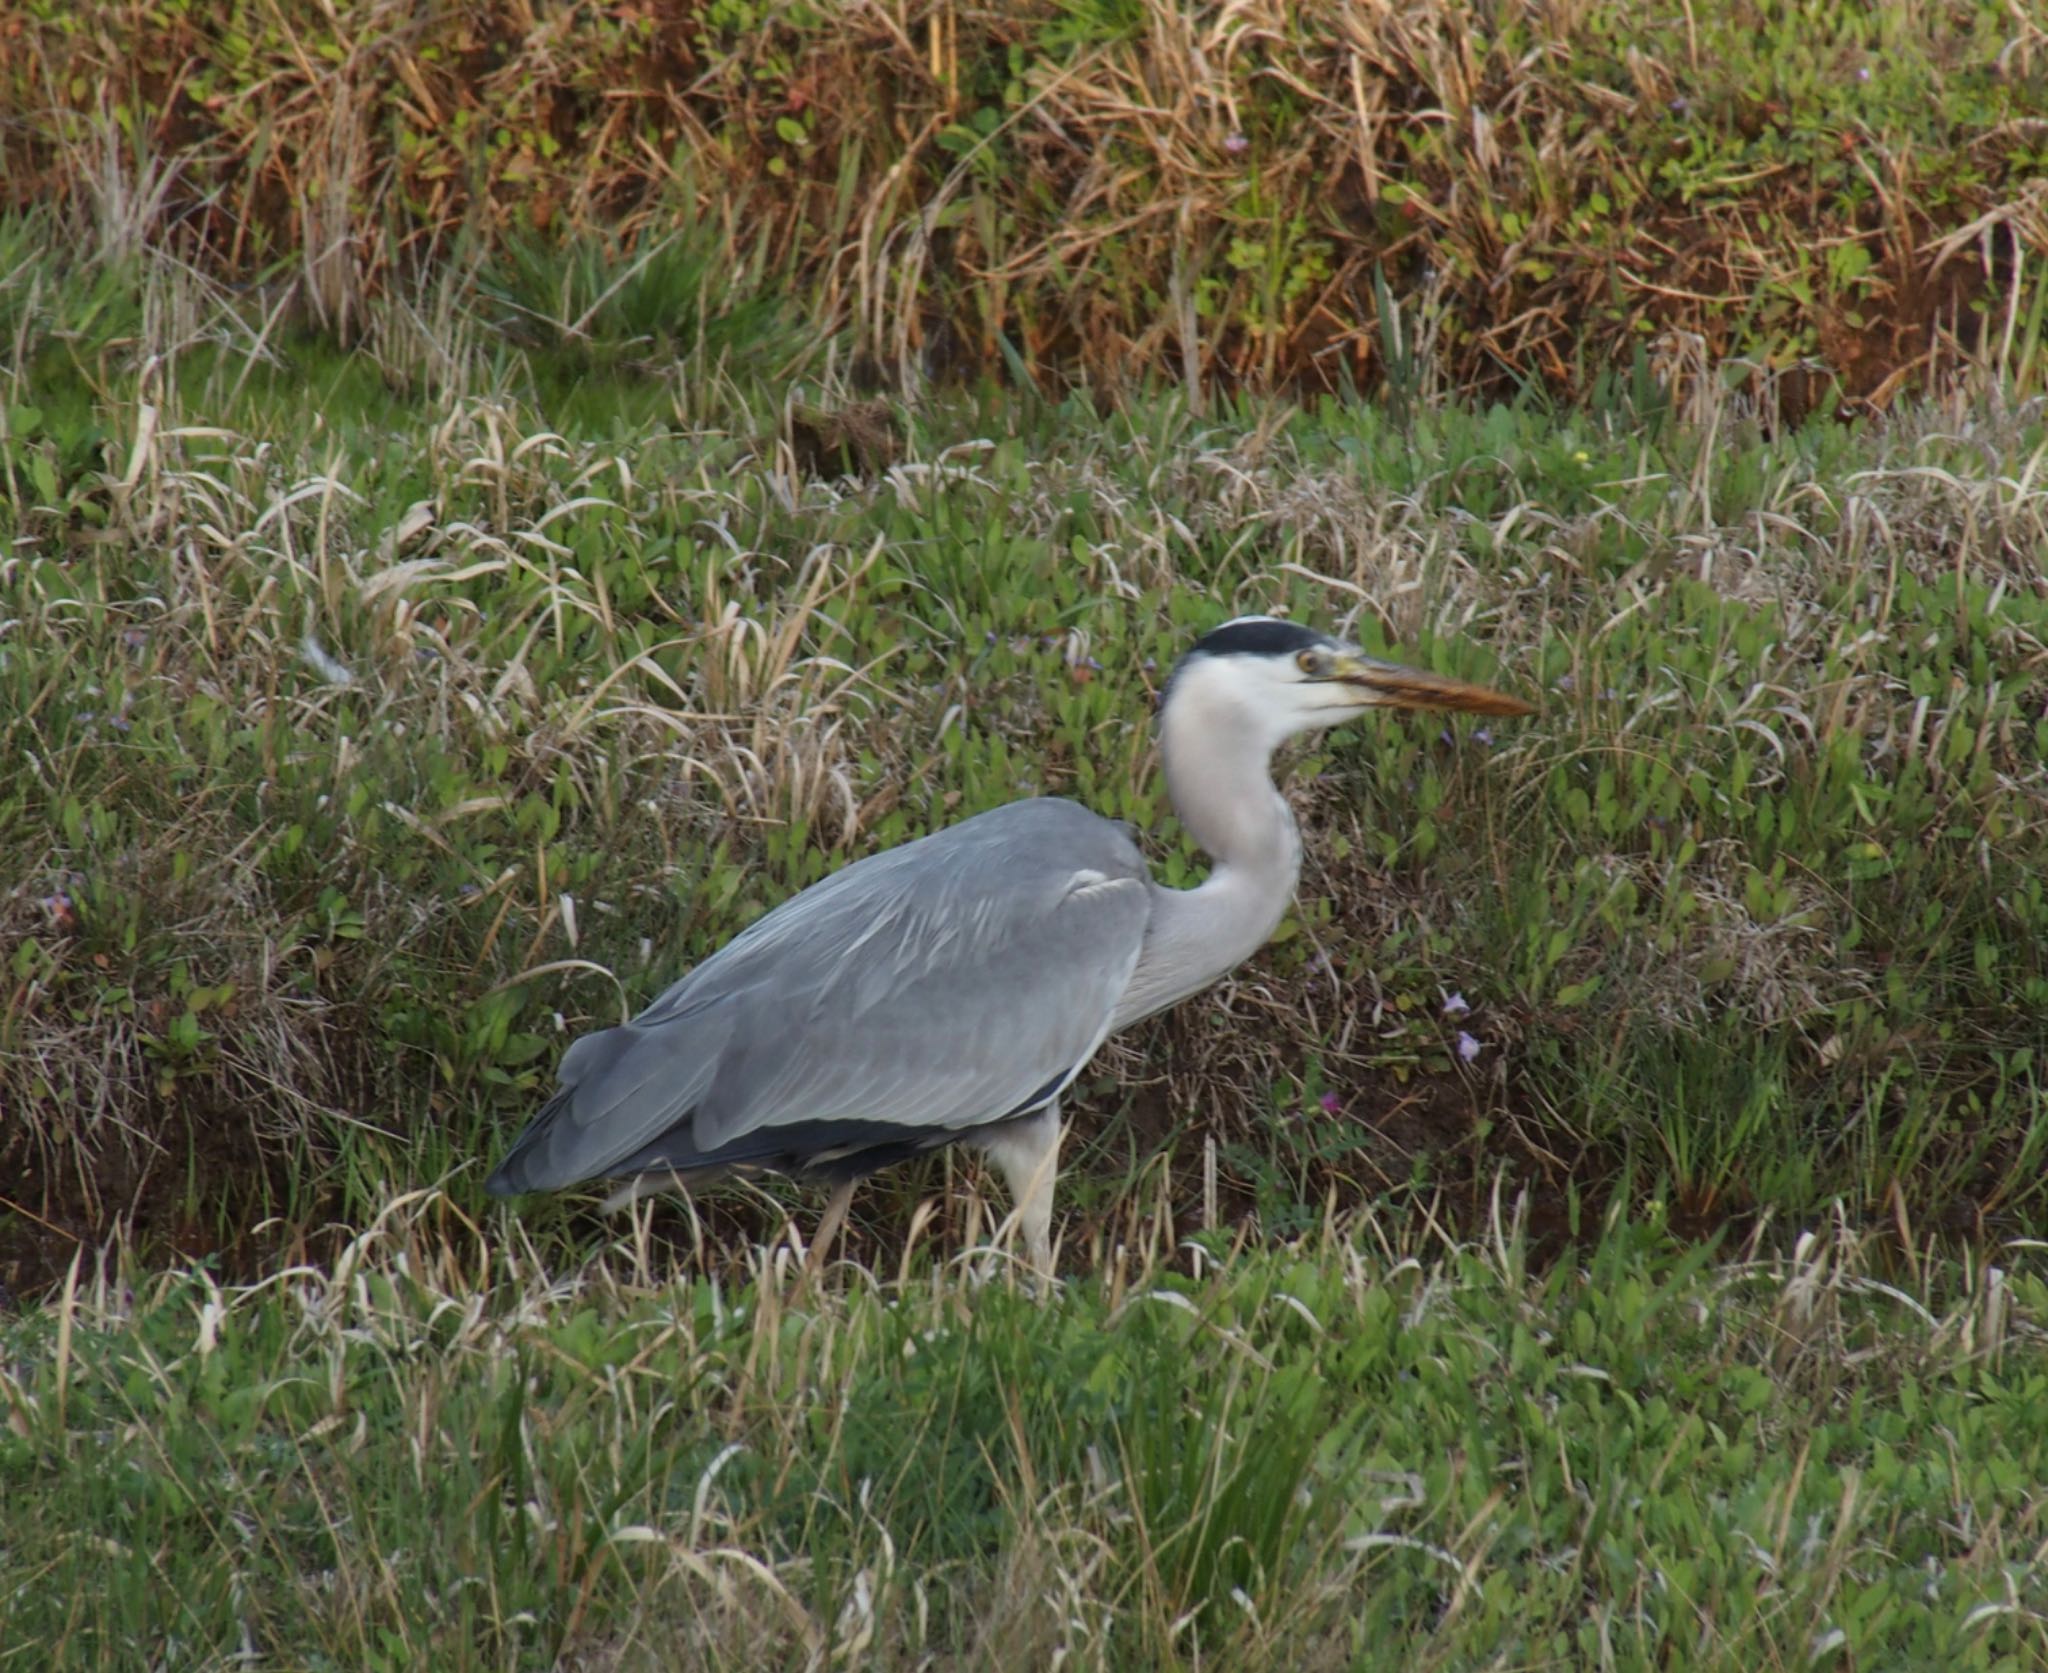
(1309, 663)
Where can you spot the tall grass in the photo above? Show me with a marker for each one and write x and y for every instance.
(1373, 1448)
(457, 569)
(1839, 199)
(381, 718)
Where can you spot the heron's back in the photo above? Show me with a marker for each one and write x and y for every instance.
(954, 981)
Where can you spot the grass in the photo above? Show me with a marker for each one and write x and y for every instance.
(1370, 1448)
(1835, 200)
(385, 716)
(421, 642)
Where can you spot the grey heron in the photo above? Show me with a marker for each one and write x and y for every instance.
(949, 990)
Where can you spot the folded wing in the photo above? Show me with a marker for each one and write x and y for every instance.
(948, 984)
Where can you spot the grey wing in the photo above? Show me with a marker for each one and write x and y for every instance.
(944, 985)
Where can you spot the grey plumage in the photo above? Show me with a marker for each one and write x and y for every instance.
(950, 989)
(801, 1044)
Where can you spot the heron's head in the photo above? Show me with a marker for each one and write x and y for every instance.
(1283, 679)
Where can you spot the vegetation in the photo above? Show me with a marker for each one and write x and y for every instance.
(371, 743)
(457, 567)
(1369, 1450)
(1842, 196)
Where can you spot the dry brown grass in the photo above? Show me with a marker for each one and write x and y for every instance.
(1338, 193)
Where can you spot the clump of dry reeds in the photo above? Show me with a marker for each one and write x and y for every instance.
(1324, 195)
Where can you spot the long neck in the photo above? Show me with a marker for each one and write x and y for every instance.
(1219, 778)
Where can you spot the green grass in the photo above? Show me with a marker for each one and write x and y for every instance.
(1367, 1450)
(380, 719)
(375, 720)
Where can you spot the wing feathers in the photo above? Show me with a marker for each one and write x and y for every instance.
(938, 986)
(620, 1090)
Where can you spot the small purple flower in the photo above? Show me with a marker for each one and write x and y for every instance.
(1455, 1006)
(1863, 73)
(1236, 144)
(1482, 734)
(1565, 682)
(1331, 1103)
(1468, 1048)
(1092, 663)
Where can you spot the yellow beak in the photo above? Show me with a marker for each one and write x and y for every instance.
(1390, 685)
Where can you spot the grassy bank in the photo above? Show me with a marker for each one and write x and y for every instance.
(1840, 199)
(376, 720)
(456, 570)
(1373, 1449)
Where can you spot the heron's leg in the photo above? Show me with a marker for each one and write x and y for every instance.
(1027, 1153)
(640, 1185)
(829, 1223)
